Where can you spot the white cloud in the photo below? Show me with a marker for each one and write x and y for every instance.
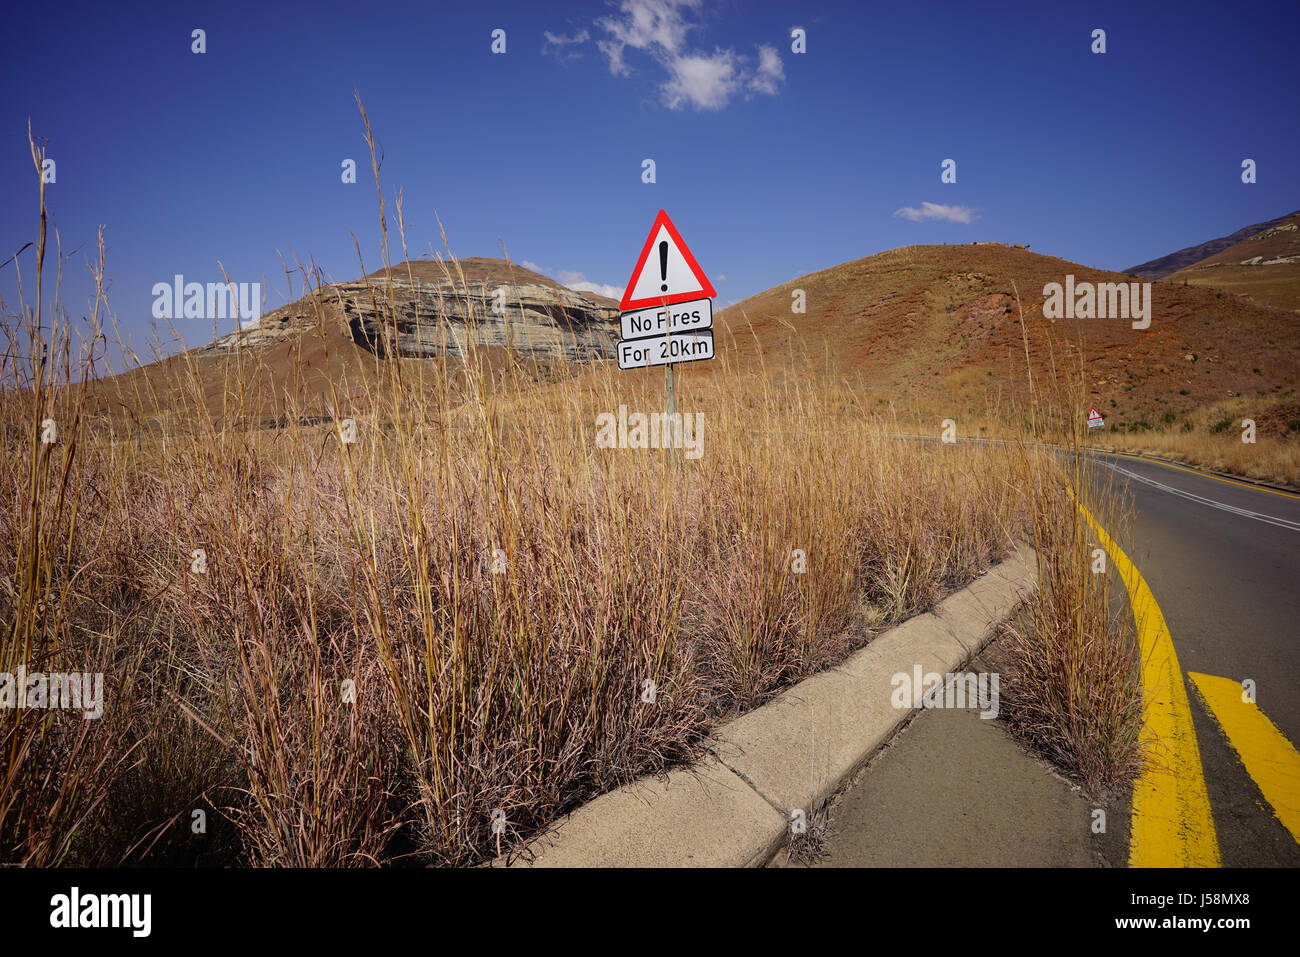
(659, 30)
(558, 44)
(771, 72)
(951, 214)
(704, 82)
(559, 39)
(655, 26)
(600, 289)
(578, 282)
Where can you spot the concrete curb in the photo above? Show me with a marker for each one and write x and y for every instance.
(732, 809)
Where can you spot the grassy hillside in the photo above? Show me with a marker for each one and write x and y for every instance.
(935, 331)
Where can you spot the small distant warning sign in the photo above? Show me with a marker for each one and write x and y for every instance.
(1094, 418)
(666, 273)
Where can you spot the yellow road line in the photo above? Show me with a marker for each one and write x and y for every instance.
(1217, 478)
(1172, 825)
(1270, 759)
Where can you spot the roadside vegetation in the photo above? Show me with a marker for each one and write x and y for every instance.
(1211, 437)
(421, 630)
(1070, 656)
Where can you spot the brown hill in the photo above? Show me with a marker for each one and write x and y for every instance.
(1168, 265)
(299, 357)
(1265, 266)
(934, 329)
(937, 328)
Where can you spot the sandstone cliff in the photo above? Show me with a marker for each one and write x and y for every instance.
(430, 309)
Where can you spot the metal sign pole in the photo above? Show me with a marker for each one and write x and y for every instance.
(672, 409)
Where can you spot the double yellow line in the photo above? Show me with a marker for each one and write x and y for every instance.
(1172, 825)
(1269, 758)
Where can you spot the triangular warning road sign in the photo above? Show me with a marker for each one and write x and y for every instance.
(666, 272)
(1094, 417)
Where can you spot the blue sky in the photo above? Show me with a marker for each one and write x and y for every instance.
(771, 163)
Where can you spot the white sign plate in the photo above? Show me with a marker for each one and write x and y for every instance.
(660, 351)
(681, 317)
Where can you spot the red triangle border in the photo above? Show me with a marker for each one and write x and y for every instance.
(708, 291)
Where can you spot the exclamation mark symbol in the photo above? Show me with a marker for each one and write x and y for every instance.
(663, 265)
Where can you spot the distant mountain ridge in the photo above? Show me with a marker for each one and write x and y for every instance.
(1167, 265)
(1264, 267)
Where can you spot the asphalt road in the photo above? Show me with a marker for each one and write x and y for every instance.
(1223, 561)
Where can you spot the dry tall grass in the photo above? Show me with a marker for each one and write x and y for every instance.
(1072, 688)
(1272, 459)
(425, 643)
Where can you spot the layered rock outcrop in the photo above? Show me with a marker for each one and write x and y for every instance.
(416, 317)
